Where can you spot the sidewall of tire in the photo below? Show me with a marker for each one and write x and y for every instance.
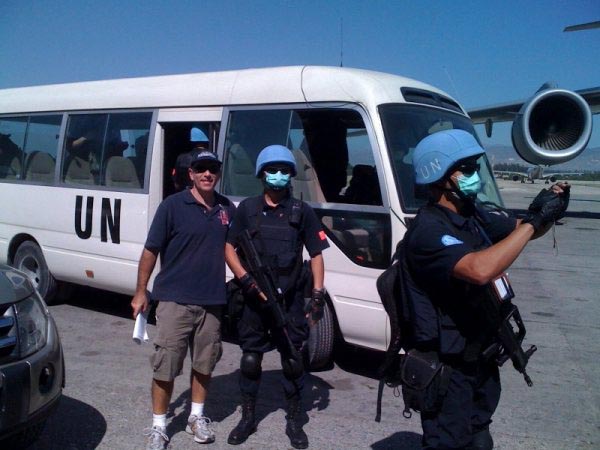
(47, 284)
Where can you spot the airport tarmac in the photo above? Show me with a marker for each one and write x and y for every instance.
(585, 195)
(106, 400)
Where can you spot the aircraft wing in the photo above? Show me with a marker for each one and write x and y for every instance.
(561, 174)
(592, 96)
(506, 112)
(510, 174)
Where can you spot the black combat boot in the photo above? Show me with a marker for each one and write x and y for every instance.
(482, 440)
(294, 419)
(247, 424)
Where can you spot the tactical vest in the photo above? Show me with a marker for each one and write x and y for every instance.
(277, 239)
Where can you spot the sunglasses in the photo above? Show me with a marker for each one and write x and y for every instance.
(201, 168)
(285, 170)
(468, 168)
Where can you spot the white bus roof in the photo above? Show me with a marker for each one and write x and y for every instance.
(294, 84)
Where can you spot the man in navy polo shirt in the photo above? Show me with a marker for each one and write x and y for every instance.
(189, 232)
(455, 248)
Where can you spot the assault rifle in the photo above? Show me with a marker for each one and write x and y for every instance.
(504, 313)
(272, 297)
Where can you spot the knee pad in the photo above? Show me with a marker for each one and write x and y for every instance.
(250, 365)
(292, 368)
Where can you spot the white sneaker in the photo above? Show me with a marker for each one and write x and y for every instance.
(157, 438)
(199, 427)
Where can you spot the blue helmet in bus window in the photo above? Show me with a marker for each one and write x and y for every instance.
(275, 154)
(197, 135)
(439, 152)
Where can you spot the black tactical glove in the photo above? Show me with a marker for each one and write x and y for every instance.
(316, 305)
(548, 206)
(249, 285)
(547, 195)
(565, 196)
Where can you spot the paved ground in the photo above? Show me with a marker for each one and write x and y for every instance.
(106, 400)
(585, 195)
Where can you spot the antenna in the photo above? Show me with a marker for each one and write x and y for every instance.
(451, 82)
(341, 42)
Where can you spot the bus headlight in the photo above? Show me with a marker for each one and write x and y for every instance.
(32, 325)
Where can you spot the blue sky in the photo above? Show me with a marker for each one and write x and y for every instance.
(480, 52)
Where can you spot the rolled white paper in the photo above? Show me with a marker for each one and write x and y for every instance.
(140, 334)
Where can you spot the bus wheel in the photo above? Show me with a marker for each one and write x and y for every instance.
(30, 259)
(319, 346)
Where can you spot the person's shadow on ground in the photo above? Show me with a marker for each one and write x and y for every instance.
(401, 440)
(224, 398)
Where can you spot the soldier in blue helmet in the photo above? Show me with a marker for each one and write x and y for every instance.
(281, 227)
(455, 249)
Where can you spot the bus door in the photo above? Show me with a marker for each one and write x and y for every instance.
(178, 128)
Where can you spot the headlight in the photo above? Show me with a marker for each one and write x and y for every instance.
(32, 325)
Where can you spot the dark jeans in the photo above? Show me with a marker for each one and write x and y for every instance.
(473, 395)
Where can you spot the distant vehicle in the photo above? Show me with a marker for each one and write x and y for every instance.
(535, 173)
(84, 166)
(32, 372)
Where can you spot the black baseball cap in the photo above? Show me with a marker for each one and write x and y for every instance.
(204, 156)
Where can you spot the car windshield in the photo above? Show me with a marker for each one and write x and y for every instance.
(404, 126)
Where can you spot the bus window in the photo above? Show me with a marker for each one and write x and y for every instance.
(363, 182)
(107, 149)
(364, 237)
(125, 149)
(248, 132)
(41, 148)
(404, 126)
(335, 166)
(12, 141)
(83, 148)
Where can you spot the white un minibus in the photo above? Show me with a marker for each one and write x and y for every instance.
(83, 167)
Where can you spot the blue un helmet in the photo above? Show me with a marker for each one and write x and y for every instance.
(439, 152)
(275, 154)
(197, 135)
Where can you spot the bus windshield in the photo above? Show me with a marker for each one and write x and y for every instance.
(404, 126)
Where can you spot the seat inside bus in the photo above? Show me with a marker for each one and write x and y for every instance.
(40, 167)
(79, 171)
(120, 172)
(240, 173)
(306, 184)
(10, 158)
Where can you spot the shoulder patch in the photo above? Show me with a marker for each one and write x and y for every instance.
(448, 240)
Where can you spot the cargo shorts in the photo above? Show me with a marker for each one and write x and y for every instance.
(182, 326)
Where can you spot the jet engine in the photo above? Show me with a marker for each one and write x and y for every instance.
(554, 126)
